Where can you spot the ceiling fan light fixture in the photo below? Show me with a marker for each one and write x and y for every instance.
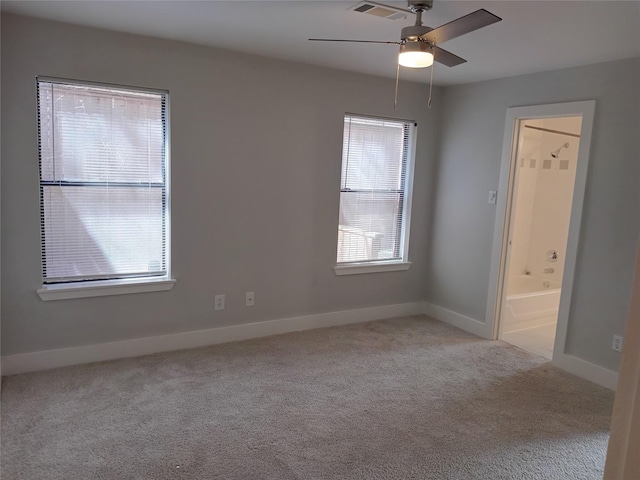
(415, 55)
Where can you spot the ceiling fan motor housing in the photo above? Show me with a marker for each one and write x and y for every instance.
(420, 5)
(413, 32)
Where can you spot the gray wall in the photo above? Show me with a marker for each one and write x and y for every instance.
(461, 234)
(255, 151)
(256, 147)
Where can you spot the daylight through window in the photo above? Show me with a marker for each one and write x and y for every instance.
(103, 182)
(377, 155)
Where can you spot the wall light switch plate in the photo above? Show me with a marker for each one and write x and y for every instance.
(493, 195)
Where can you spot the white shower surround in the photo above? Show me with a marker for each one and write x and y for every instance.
(544, 196)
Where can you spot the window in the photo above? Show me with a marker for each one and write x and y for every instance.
(103, 186)
(375, 194)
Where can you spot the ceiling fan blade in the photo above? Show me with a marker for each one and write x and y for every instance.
(356, 41)
(447, 58)
(468, 23)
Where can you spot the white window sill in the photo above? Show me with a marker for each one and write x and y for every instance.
(358, 268)
(63, 291)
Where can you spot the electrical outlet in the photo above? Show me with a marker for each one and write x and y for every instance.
(493, 195)
(249, 299)
(617, 343)
(219, 302)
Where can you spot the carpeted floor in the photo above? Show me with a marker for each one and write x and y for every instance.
(408, 398)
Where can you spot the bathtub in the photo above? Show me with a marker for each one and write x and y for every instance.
(530, 302)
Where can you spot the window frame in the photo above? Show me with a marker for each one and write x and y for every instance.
(401, 263)
(126, 284)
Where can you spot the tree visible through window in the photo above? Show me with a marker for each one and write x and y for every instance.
(374, 188)
(103, 182)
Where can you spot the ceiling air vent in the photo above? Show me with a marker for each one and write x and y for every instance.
(381, 11)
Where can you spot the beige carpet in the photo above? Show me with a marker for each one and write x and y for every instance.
(408, 398)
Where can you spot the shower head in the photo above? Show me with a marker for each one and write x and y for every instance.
(556, 153)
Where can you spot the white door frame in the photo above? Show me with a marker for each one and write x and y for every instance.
(586, 110)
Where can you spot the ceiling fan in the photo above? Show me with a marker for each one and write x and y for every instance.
(419, 43)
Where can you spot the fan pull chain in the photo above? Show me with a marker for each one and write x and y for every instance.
(395, 100)
(430, 85)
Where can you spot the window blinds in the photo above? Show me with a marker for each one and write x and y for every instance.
(103, 182)
(373, 189)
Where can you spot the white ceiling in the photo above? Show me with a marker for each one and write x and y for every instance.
(534, 36)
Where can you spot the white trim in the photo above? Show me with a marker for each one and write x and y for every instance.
(408, 192)
(34, 361)
(573, 238)
(64, 291)
(500, 233)
(587, 370)
(358, 268)
(167, 184)
(463, 322)
(574, 365)
(586, 110)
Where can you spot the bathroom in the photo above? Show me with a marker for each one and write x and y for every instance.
(544, 178)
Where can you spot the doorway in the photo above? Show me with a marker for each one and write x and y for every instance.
(543, 181)
(543, 176)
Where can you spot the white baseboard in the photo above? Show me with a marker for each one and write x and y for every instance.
(574, 365)
(587, 370)
(463, 322)
(44, 360)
